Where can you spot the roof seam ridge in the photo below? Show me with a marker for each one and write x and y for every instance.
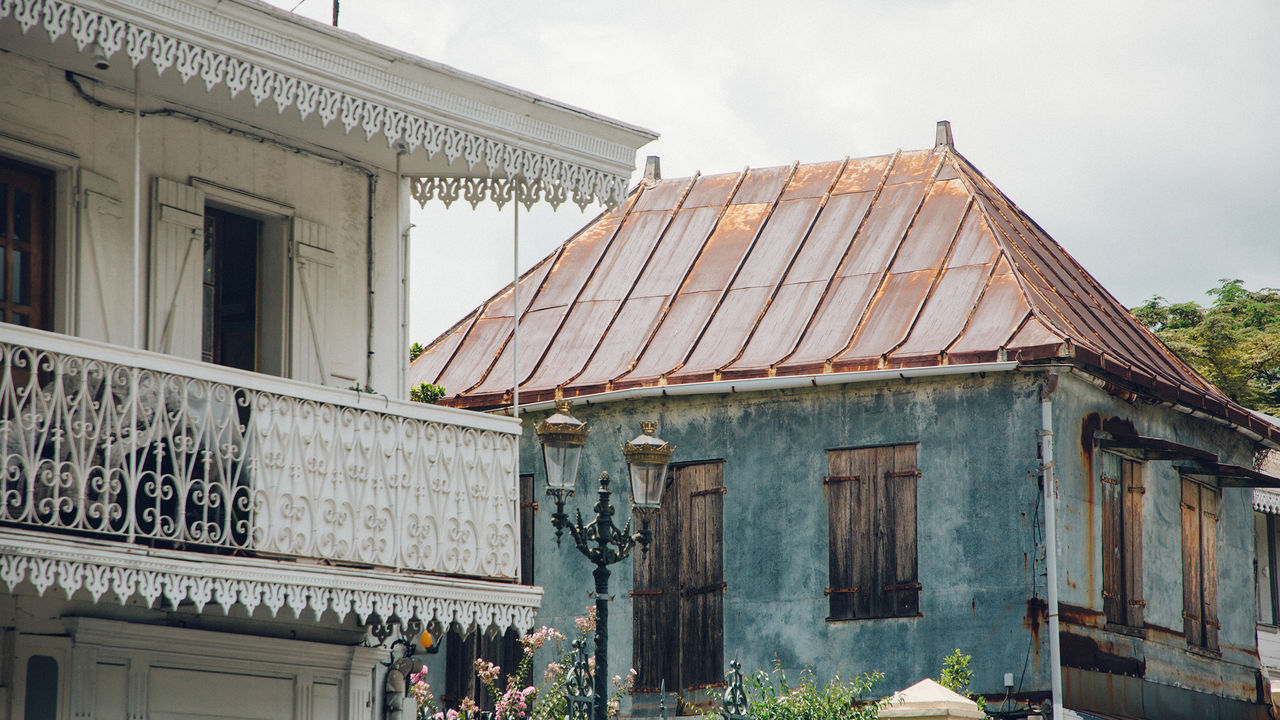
(737, 270)
(517, 314)
(933, 285)
(675, 210)
(973, 311)
(875, 197)
(979, 193)
(564, 317)
(666, 309)
(884, 275)
(782, 277)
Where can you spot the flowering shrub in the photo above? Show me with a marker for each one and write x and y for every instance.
(513, 699)
(772, 697)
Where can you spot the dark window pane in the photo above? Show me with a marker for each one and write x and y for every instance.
(4, 210)
(21, 288)
(21, 216)
(206, 343)
(4, 254)
(21, 319)
(210, 258)
(42, 688)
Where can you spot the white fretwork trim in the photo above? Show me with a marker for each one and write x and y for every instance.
(499, 191)
(116, 573)
(1267, 501)
(557, 176)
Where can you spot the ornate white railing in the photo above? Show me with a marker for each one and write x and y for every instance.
(144, 448)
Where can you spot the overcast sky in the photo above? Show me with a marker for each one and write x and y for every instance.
(1144, 137)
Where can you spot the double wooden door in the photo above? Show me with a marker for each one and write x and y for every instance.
(678, 600)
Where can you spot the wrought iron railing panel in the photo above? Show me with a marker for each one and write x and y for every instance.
(149, 449)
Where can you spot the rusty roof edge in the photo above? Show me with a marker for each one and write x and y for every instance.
(671, 216)
(1095, 287)
(666, 308)
(848, 248)
(517, 314)
(884, 275)
(782, 277)
(737, 270)
(786, 381)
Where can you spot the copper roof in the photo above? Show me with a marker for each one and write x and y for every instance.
(904, 260)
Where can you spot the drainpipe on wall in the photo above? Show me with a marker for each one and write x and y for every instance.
(1051, 537)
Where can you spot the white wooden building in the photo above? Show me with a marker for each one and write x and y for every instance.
(203, 223)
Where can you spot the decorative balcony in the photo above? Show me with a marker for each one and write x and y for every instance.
(123, 446)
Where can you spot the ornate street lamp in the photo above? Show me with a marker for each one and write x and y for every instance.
(562, 437)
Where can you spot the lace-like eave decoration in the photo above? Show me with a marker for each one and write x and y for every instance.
(544, 177)
(119, 583)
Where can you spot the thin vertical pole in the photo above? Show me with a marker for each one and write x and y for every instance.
(515, 310)
(137, 208)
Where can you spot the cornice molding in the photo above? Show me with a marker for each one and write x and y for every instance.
(331, 76)
(115, 573)
(1267, 501)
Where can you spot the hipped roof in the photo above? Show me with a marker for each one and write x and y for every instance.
(904, 260)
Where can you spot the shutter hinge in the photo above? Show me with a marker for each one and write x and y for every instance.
(710, 491)
(828, 592)
(533, 505)
(1109, 480)
(903, 473)
(833, 479)
(644, 593)
(703, 590)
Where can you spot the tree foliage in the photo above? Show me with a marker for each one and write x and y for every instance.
(1234, 342)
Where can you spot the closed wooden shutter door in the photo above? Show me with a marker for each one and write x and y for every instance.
(1209, 564)
(1191, 601)
(902, 589)
(844, 490)
(528, 520)
(1110, 488)
(103, 302)
(177, 260)
(1131, 481)
(655, 601)
(702, 568)
(312, 267)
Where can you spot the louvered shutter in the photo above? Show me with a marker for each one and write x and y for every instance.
(312, 270)
(177, 262)
(1131, 480)
(103, 297)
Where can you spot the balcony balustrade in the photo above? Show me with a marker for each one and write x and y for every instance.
(136, 447)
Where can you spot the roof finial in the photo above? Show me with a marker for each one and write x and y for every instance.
(652, 170)
(944, 136)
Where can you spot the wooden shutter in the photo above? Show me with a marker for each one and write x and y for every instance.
(701, 513)
(175, 319)
(655, 600)
(528, 520)
(871, 507)
(312, 267)
(1113, 554)
(901, 588)
(1209, 564)
(1131, 481)
(102, 302)
(1191, 573)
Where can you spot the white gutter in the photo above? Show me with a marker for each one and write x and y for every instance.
(1051, 538)
(779, 383)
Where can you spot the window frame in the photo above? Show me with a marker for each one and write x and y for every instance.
(1271, 525)
(892, 472)
(1122, 543)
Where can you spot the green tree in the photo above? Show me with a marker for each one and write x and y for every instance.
(1234, 342)
(415, 350)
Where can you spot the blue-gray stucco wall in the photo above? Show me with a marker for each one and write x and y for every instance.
(980, 527)
(978, 501)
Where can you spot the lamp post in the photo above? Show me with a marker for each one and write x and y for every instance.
(603, 543)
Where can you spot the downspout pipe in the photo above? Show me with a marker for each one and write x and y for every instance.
(1051, 537)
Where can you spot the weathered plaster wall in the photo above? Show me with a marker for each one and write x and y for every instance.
(40, 109)
(1167, 661)
(978, 503)
(980, 528)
